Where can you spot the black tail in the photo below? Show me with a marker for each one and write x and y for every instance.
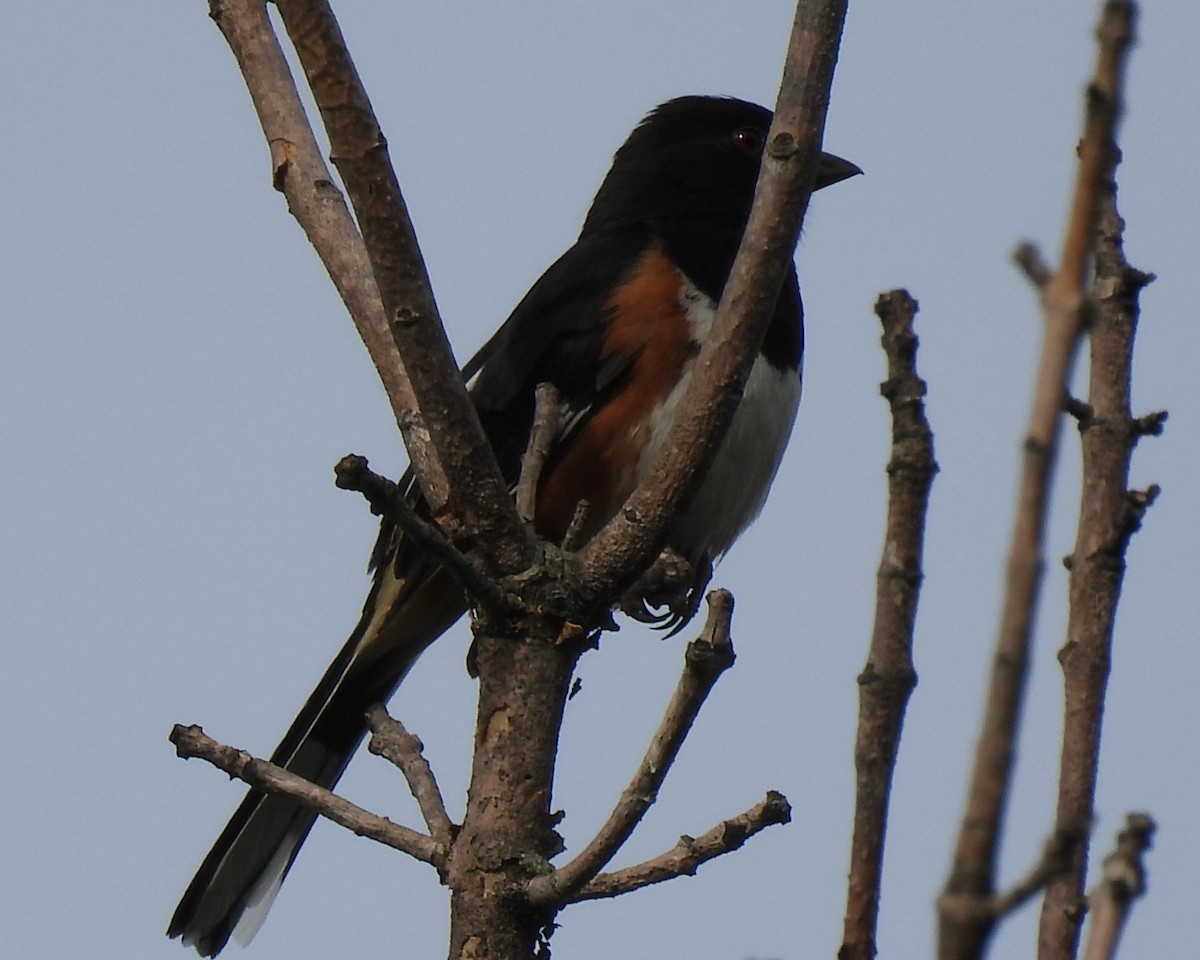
(238, 880)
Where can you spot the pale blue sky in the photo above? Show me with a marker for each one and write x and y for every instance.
(178, 378)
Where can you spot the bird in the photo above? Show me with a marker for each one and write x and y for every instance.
(614, 324)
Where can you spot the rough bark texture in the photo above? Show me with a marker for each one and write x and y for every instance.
(508, 833)
(1109, 515)
(968, 903)
(458, 472)
(889, 676)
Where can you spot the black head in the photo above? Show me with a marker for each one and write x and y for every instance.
(693, 159)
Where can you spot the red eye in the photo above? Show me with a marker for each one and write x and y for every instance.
(749, 140)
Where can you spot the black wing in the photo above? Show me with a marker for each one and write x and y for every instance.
(554, 335)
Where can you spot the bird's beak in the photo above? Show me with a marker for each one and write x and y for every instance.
(834, 170)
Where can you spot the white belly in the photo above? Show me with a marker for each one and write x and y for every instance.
(735, 488)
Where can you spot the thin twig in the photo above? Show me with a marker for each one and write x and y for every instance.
(191, 741)
(1122, 882)
(889, 677)
(1028, 256)
(546, 424)
(973, 874)
(706, 659)
(387, 499)
(574, 535)
(1053, 859)
(392, 741)
(690, 852)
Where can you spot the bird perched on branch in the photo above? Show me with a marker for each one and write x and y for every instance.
(614, 325)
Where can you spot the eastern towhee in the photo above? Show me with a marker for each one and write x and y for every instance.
(614, 324)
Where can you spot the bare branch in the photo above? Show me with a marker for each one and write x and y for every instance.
(1051, 862)
(508, 831)
(1109, 515)
(524, 680)
(629, 543)
(353, 473)
(973, 874)
(435, 415)
(191, 741)
(298, 170)
(442, 430)
(705, 660)
(392, 741)
(889, 677)
(386, 498)
(544, 432)
(690, 852)
(1122, 882)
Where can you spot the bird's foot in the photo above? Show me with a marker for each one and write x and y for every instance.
(669, 593)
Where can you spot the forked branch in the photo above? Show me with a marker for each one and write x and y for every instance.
(524, 673)
(191, 741)
(687, 856)
(437, 419)
(705, 660)
(965, 916)
(391, 740)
